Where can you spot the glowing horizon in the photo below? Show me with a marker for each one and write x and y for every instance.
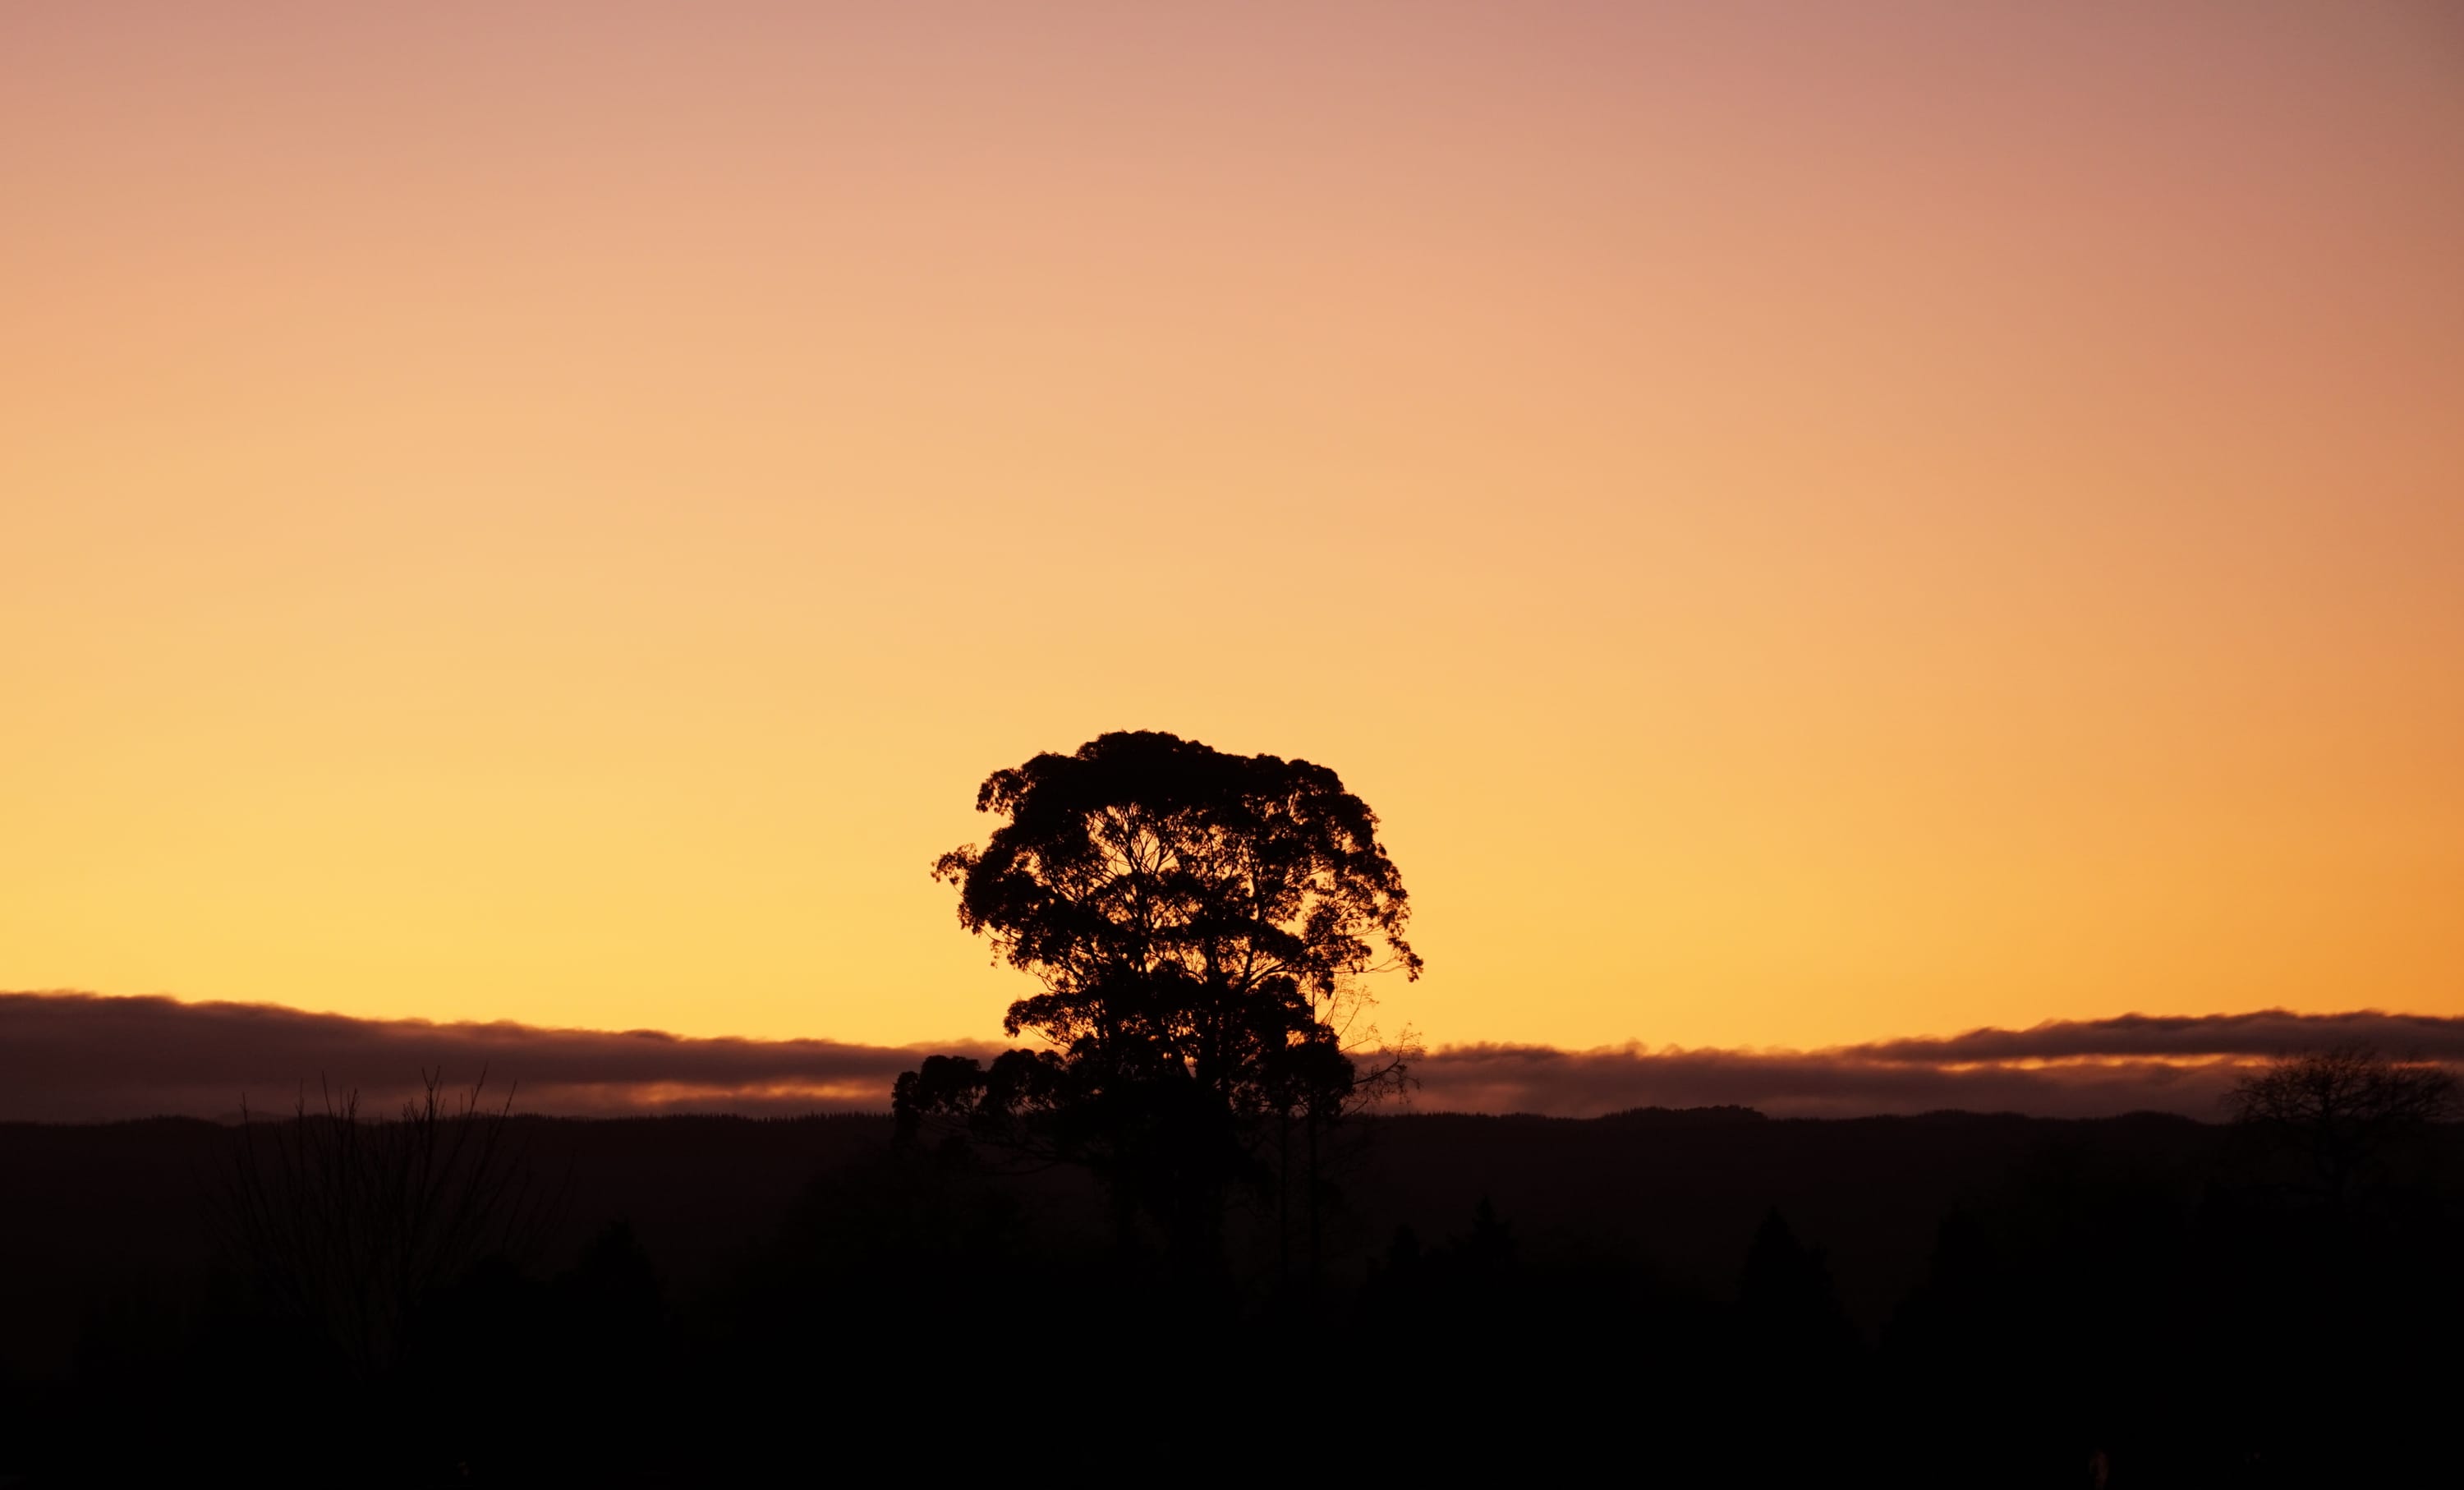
(1808, 527)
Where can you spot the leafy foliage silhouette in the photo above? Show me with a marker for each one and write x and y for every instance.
(1200, 924)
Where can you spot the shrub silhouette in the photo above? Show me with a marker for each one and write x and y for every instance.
(348, 1227)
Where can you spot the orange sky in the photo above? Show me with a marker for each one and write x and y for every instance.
(1810, 523)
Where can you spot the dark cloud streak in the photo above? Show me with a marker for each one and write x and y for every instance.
(2059, 1068)
(79, 1056)
(1587, 1083)
(74, 1057)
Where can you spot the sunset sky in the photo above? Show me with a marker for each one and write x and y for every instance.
(1810, 523)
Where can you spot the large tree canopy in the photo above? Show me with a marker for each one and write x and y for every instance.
(1199, 922)
(1178, 899)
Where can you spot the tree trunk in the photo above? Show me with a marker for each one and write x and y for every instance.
(1313, 1230)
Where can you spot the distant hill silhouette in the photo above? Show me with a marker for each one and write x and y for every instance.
(1722, 1116)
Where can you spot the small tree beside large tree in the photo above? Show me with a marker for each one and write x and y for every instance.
(2348, 1109)
(1200, 924)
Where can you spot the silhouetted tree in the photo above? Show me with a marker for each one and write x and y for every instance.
(1465, 1287)
(1785, 1299)
(1200, 923)
(1797, 1353)
(2345, 1106)
(1489, 1248)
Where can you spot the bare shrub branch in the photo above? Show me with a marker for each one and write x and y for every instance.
(351, 1225)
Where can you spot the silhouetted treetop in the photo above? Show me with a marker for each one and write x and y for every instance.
(1151, 881)
(2344, 1089)
(1200, 923)
(2348, 1106)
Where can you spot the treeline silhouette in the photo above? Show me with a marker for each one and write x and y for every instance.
(455, 1295)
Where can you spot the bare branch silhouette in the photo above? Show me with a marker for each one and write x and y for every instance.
(350, 1225)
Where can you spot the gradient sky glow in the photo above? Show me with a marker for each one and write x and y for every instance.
(1811, 523)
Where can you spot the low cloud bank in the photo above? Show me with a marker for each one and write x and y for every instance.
(2061, 1068)
(83, 1056)
(1794, 1084)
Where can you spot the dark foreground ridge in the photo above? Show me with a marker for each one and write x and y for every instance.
(1692, 1294)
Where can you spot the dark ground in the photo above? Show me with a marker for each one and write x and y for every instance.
(1711, 1297)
